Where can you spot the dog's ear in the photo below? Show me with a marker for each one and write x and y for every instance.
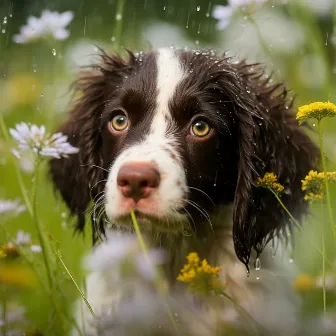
(77, 177)
(269, 140)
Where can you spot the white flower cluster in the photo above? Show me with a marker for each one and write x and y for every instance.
(8, 206)
(36, 139)
(223, 13)
(49, 24)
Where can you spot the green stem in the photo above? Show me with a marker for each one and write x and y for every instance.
(324, 165)
(119, 21)
(299, 227)
(323, 269)
(244, 311)
(4, 309)
(159, 276)
(75, 283)
(39, 226)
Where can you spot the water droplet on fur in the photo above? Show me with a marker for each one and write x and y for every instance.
(257, 264)
(248, 273)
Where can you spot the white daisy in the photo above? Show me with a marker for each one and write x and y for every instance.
(223, 13)
(49, 24)
(36, 248)
(8, 206)
(36, 139)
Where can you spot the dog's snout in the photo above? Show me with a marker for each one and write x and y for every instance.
(137, 180)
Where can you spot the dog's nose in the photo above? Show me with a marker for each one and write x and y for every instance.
(137, 180)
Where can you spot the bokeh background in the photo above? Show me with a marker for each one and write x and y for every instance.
(296, 39)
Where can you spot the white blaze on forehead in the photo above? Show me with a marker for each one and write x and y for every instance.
(169, 75)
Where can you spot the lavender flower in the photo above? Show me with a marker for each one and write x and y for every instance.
(8, 206)
(224, 13)
(49, 24)
(36, 139)
(22, 238)
(124, 249)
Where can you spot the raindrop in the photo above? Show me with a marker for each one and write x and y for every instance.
(187, 26)
(257, 264)
(5, 20)
(257, 277)
(3, 31)
(34, 67)
(248, 273)
(164, 8)
(314, 125)
(326, 42)
(118, 17)
(54, 52)
(198, 8)
(291, 260)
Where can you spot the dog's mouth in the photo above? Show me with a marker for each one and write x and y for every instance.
(150, 222)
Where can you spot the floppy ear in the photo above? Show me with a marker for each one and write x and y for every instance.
(77, 177)
(269, 140)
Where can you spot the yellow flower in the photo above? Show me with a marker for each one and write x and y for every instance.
(270, 181)
(200, 276)
(24, 89)
(317, 110)
(10, 251)
(2, 254)
(314, 185)
(16, 275)
(304, 283)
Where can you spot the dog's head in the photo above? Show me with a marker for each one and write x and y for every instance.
(174, 135)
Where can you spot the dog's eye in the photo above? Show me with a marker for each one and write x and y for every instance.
(119, 122)
(200, 128)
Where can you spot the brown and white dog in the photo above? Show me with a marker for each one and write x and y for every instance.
(181, 137)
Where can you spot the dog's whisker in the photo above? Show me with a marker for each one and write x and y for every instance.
(203, 192)
(98, 183)
(201, 211)
(92, 165)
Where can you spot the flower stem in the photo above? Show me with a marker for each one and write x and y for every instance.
(76, 285)
(299, 227)
(323, 269)
(119, 21)
(325, 176)
(4, 309)
(39, 226)
(159, 276)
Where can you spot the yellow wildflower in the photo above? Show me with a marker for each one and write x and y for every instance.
(270, 181)
(24, 89)
(16, 275)
(10, 251)
(304, 283)
(314, 184)
(201, 277)
(317, 110)
(2, 254)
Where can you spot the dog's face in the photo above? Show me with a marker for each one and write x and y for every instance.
(165, 144)
(174, 135)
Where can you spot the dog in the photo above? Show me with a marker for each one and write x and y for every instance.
(180, 137)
